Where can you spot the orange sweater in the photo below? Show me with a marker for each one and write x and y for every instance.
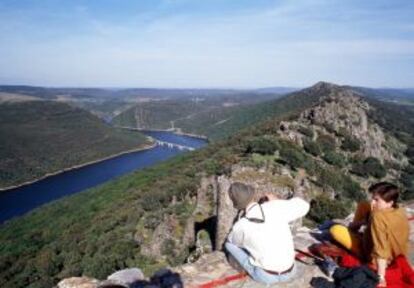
(387, 234)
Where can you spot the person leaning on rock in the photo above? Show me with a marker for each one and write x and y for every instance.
(261, 241)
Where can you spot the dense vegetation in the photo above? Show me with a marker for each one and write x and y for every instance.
(42, 137)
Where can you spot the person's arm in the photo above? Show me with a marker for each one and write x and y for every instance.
(295, 208)
(382, 266)
(381, 246)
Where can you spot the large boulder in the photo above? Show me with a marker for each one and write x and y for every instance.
(127, 277)
(78, 282)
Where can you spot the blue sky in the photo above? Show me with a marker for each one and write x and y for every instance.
(206, 43)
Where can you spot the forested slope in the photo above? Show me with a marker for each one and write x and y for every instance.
(41, 137)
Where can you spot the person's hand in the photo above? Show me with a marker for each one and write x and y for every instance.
(271, 196)
(382, 282)
(356, 225)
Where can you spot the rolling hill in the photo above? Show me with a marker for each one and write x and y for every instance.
(42, 137)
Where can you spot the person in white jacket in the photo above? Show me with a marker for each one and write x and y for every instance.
(260, 240)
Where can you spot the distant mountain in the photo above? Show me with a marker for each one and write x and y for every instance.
(387, 94)
(192, 115)
(325, 143)
(132, 93)
(42, 137)
(107, 103)
(277, 90)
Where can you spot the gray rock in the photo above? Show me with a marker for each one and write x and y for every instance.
(112, 284)
(127, 277)
(78, 282)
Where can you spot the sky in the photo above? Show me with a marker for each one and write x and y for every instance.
(206, 43)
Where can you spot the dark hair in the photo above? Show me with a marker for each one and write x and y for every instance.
(387, 191)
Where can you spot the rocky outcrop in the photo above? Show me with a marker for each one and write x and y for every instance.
(342, 116)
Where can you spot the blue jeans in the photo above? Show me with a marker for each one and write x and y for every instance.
(257, 273)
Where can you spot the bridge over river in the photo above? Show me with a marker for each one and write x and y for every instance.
(174, 145)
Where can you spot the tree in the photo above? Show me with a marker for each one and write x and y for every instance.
(324, 208)
(350, 144)
(371, 166)
(326, 142)
(262, 145)
(312, 147)
(306, 131)
(334, 158)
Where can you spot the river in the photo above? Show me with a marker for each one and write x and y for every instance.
(17, 201)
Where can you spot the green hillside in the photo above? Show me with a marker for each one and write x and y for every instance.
(115, 225)
(158, 114)
(211, 118)
(219, 123)
(41, 137)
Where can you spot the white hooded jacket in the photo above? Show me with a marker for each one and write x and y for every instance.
(270, 244)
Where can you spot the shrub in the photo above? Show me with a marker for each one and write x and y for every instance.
(407, 179)
(334, 158)
(410, 152)
(330, 178)
(306, 131)
(343, 117)
(374, 167)
(342, 184)
(342, 132)
(326, 142)
(262, 145)
(350, 144)
(352, 189)
(359, 169)
(312, 147)
(323, 208)
(292, 155)
(371, 166)
(212, 167)
(329, 127)
(168, 248)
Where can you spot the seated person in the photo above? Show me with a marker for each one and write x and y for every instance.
(387, 230)
(260, 240)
